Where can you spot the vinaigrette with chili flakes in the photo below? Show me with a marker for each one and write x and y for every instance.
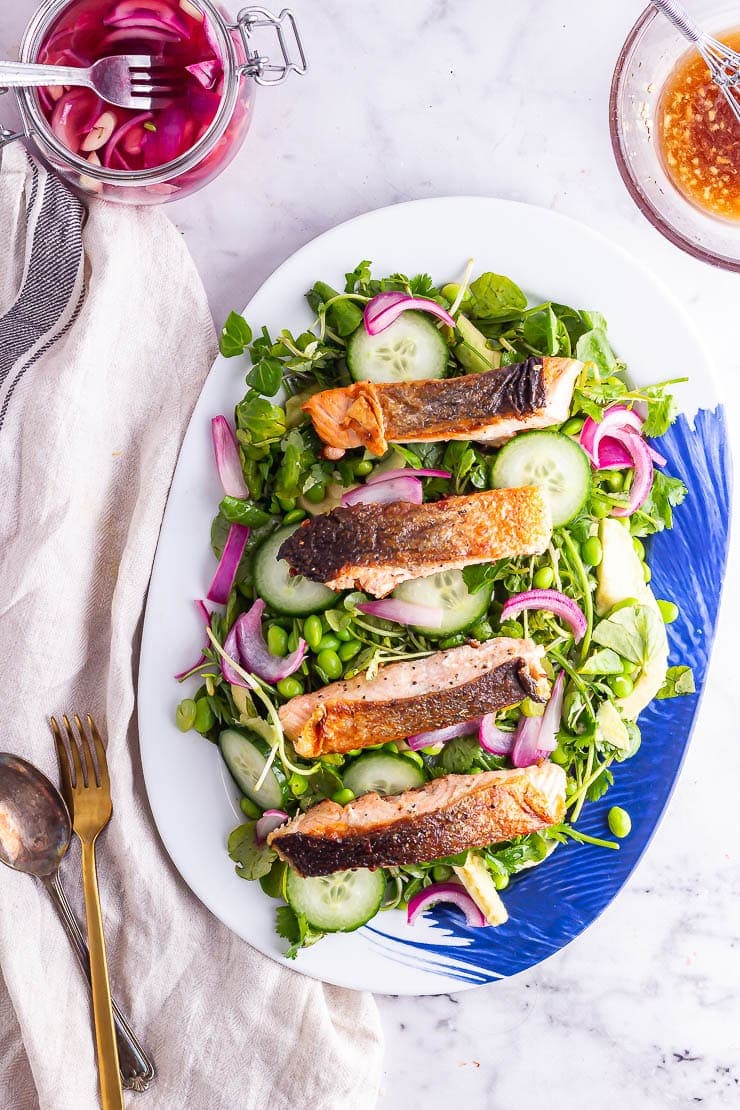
(699, 138)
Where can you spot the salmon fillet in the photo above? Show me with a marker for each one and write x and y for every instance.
(375, 547)
(490, 407)
(403, 699)
(439, 819)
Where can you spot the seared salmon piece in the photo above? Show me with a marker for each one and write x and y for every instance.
(375, 547)
(490, 407)
(446, 688)
(439, 819)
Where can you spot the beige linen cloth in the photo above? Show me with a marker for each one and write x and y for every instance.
(105, 338)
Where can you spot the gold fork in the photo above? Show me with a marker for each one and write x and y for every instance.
(86, 790)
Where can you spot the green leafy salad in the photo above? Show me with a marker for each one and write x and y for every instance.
(274, 635)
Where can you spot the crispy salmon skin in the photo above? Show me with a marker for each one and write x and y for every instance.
(446, 688)
(490, 407)
(375, 547)
(439, 819)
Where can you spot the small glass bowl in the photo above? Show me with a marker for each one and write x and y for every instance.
(652, 49)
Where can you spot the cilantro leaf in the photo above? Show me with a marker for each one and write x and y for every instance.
(252, 860)
(294, 928)
(359, 277)
(656, 512)
(236, 335)
(662, 410)
(678, 682)
(495, 297)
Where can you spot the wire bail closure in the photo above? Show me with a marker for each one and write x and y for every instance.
(258, 65)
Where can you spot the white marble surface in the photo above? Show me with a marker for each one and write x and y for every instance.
(419, 99)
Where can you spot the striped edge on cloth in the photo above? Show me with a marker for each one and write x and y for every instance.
(105, 339)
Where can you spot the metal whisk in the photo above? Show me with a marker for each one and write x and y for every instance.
(723, 63)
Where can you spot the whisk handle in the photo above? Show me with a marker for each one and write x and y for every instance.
(680, 18)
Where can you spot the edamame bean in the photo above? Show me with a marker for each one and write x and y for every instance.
(330, 663)
(639, 547)
(620, 821)
(277, 640)
(295, 516)
(204, 719)
(344, 634)
(249, 808)
(621, 684)
(290, 687)
(362, 468)
(185, 715)
(560, 756)
(349, 650)
(668, 611)
(628, 667)
(328, 642)
(544, 578)
(441, 872)
(342, 797)
(600, 509)
(592, 551)
(298, 785)
(573, 426)
(312, 631)
(315, 494)
(647, 574)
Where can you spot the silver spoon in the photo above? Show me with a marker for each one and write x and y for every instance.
(35, 831)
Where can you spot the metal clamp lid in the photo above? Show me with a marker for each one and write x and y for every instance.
(259, 66)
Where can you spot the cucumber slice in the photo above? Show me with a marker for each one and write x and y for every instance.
(447, 591)
(384, 773)
(245, 754)
(294, 595)
(412, 347)
(550, 460)
(336, 903)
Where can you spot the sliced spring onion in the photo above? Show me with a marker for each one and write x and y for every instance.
(603, 448)
(406, 472)
(270, 820)
(254, 654)
(223, 579)
(526, 747)
(493, 738)
(453, 893)
(206, 617)
(384, 309)
(404, 612)
(385, 492)
(228, 463)
(441, 735)
(643, 464)
(553, 601)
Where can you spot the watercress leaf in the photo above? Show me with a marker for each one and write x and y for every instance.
(241, 511)
(635, 632)
(236, 335)
(262, 421)
(678, 681)
(265, 376)
(252, 860)
(593, 346)
(343, 315)
(593, 319)
(656, 512)
(495, 297)
(605, 661)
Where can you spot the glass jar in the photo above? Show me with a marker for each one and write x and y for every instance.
(244, 67)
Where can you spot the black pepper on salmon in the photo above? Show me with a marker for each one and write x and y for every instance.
(376, 547)
(447, 688)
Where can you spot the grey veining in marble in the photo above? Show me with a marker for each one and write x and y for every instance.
(412, 99)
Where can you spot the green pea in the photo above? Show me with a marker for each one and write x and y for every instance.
(620, 821)
(249, 808)
(544, 578)
(481, 630)
(328, 642)
(560, 756)
(362, 468)
(600, 509)
(614, 480)
(441, 872)
(277, 640)
(204, 719)
(592, 551)
(330, 663)
(290, 687)
(312, 631)
(315, 494)
(573, 426)
(647, 574)
(531, 708)
(185, 715)
(298, 785)
(342, 797)
(295, 516)
(621, 684)
(639, 547)
(349, 650)
(286, 503)
(668, 611)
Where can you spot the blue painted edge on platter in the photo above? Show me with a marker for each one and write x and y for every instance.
(550, 905)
